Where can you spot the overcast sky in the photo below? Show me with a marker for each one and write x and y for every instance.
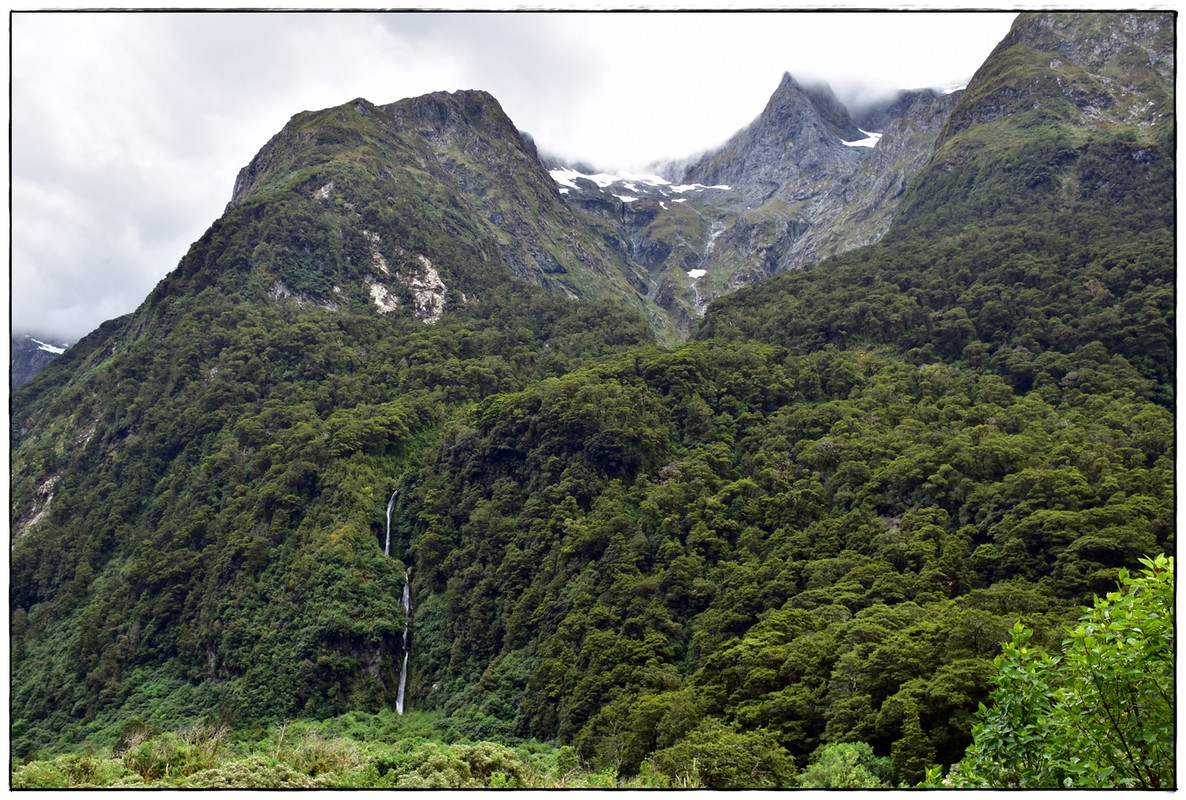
(128, 128)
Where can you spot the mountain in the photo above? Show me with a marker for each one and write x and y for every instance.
(403, 447)
(800, 183)
(1088, 99)
(796, 142)
(412, 199)
(29, 356)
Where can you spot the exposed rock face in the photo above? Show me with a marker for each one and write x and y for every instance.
(38, 508)
(280, 290)
(801, 183)
(794, 146)
(384, 301)
(428, 291)
(29, 357)
(859, 211)
(878, 115)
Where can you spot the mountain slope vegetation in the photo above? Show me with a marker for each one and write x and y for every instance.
(801, 537)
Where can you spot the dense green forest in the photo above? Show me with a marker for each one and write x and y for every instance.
(631, 553)
(1051, 724)
(839, 538)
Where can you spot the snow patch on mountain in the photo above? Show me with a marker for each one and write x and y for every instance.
(567, 177)
(49, 348)
(697, 187)
(870, 140)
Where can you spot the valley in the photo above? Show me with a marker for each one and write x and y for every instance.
(439, 463)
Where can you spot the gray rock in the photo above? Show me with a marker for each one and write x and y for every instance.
(30, 355)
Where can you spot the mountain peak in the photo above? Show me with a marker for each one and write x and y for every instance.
(797, 140)
(790, 96)
(30, 354)
(468, 108)
(1114, 69)
(1085, 101)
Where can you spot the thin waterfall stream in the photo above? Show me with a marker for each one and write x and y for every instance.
(390, 505)
(406, 604)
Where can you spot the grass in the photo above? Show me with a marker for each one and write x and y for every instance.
(355, 750)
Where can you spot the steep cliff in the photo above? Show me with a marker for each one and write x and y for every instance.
(799, 184)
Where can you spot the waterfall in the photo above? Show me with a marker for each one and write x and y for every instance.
(390, 505)
(406, 604)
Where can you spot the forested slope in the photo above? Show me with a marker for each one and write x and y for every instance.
(812, 527)
(207, 506)
(832, 549)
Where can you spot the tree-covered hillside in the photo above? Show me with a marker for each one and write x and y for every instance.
(816, 546)
(1042, 227)
(809, 547)
(195, 472)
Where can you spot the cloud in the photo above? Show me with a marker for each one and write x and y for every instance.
(128, 128)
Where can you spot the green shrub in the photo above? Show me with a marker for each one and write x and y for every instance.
(725, 757)
(171, 756)
(253, 772)
(846, 765)
(1099, 716)
(312, 753)
(40, 775)
(72, 771)
(494, 765)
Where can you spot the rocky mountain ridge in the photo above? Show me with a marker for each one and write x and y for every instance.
(801, 183)
(29, 356)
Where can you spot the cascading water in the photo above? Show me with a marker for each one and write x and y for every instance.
(390, 505)
(406, 604)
